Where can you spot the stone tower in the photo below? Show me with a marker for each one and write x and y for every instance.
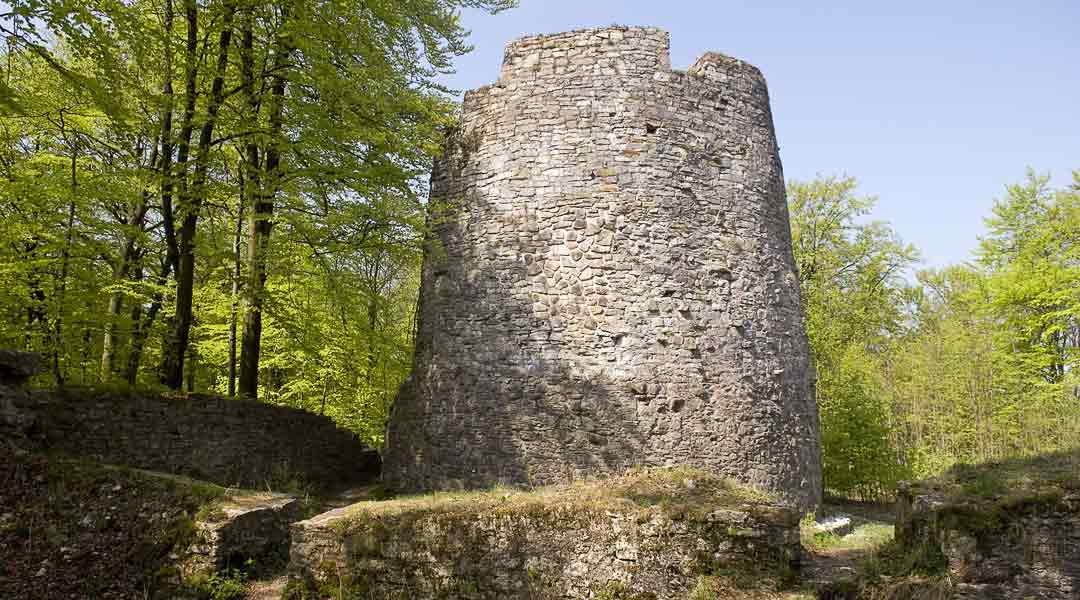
(613, 284)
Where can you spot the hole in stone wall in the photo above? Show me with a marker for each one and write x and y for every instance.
(238, 561)
(651, 128)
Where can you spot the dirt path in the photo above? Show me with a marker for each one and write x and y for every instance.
(270, 586)
(830, 559)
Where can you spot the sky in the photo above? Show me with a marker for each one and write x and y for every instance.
(933, 106)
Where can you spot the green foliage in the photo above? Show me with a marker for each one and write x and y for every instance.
(987, 371)
(702, 590)
(851, 275)
(225, 585)
(969, 363)
(119, 129)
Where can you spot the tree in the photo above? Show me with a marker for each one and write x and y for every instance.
(327, 100)
(314, 122)
(1033, 249)
(316, 113)
(853, 291)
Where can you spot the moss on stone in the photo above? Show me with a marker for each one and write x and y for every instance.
(679, 493)
(486, 544)
(1008, 484)
(982, 500)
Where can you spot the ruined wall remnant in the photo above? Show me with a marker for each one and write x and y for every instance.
(614, 283)
(222, 440)
(998, 530)
(652, 534)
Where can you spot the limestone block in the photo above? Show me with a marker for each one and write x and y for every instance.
(1000, 531)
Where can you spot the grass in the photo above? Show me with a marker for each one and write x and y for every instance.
(866, 536)
(893, 572)
(678, 492)
(1009, 481)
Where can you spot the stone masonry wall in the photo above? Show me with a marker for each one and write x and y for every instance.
(613, 283)
(1019, 548)
(578, 542)
(226, 441)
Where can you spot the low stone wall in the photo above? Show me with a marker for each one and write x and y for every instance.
(241, 527)
(226, 441)
(644, 535)
(1000, 531)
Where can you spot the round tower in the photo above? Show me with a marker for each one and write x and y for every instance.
(610, 281)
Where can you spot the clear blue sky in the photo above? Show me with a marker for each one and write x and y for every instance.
(933, 106)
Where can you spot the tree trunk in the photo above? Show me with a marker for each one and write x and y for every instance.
(261, 224)
(249, 173)
(143, 326)
(237, 257)
(166, 166)
(108, 341)
(172, 360)
(192, 361)
(65, 261)
(135, 316)
(35, 310)
(185, 275)
(128, 257)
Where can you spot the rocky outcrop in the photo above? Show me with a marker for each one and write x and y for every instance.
(612, 282)
(645, 535)
(999, 531)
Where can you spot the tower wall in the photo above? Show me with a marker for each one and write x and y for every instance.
(613, 282)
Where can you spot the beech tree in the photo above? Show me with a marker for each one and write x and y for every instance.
(852, 279)
(181, 134)
(920, 371)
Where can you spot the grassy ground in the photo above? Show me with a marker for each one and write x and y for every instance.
(830, 558)
(1008, 482)
(676, 491)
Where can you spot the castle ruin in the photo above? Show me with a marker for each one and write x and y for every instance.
(613, 283)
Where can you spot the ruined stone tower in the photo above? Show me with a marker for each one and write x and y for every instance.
(614, 283)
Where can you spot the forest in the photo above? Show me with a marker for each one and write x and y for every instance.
(228, 197)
